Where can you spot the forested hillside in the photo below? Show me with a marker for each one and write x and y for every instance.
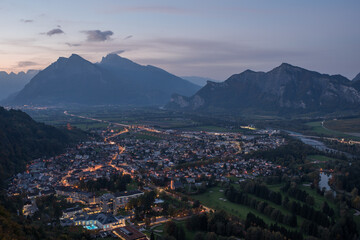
(23, 139)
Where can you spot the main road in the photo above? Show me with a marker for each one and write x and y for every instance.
(94, 119)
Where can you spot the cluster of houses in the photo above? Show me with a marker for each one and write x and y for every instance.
(164, 156)
(220, 172)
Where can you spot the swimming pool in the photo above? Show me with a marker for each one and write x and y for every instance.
(91, 227)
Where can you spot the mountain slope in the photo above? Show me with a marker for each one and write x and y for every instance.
(22, 139)
(11, 83)
(68, 80)
(143, 85)
(356, 82)
(284, 89)
(201, 81)
(114, 80)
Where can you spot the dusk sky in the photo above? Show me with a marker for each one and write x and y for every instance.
(209, 38)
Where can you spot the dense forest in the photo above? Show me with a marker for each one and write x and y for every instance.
(22, 139)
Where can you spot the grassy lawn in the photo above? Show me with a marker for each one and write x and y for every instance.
(319, 200)
(214, 198)
(317, 161)
(280, 208)
(131, 186)
(188, 234)
(320, 158)
(233, 178)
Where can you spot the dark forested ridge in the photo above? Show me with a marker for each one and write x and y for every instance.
(23, 139)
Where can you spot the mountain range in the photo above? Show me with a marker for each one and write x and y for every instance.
(285, 89)
(12, 82)
(115, 80)
(201, 81)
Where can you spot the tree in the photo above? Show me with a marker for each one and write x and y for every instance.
(199, 236)
(210, 236)
(180, 235)
(147, 221)
(293, 220)
(310, 200)
(254, 233)
(354, 192)
(170, 228)
(345, 228)
(356, 202)
(196, 204)
(152, 236)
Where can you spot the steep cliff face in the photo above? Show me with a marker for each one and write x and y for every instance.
(285, 88)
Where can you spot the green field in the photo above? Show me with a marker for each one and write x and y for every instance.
(210, 129)
(155, 117)
(351, 125)
(318, 128)
(212, 199)
(318, 161)
(318, 199)
(132, 186)
(320, 158)
(188, 234)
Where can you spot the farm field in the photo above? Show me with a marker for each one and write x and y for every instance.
(319, 129)
(344, 125)
(332, 131)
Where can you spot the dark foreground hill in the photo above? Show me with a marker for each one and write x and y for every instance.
(115, 80)
(22, 139)
(285, 89)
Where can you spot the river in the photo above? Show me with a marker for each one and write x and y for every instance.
(315, 143)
